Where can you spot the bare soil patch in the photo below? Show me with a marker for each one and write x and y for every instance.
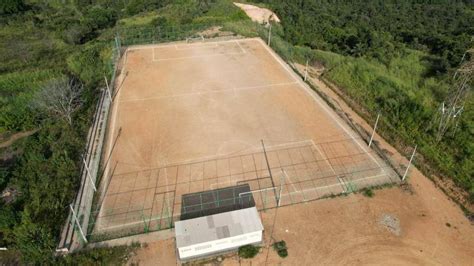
(14, 137)
(258, 14)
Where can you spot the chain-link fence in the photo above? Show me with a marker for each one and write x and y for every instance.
(94, 217)
(74, 233)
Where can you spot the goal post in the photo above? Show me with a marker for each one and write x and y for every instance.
(195, 38)
(263, 194)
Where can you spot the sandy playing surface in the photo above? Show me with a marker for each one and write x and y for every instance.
(192, 117)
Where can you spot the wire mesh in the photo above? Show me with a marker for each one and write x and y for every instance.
(320, 170)
(151, 200)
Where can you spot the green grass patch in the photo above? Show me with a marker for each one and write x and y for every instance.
(17, 89)
(140, 19)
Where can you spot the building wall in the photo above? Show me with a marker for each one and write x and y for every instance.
(217, 246)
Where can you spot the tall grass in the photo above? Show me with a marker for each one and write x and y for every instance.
(16, 91)
(408, 99)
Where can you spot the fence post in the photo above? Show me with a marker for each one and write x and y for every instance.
(269, 33)
(375, 128)
(89, 174)
(74, 216)
(409, 163)
(306, 70)
(108, 88)
(117, 43)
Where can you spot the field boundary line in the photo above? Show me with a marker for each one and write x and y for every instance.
(151, 46)
(195, 45)
(336, 184)
(193, 57)
(210, 92)
(240, 46)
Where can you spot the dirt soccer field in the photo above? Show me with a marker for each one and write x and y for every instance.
(201, 116)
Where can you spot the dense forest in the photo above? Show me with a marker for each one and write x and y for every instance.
(396, 58)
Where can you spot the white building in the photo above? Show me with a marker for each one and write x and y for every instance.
(208, 235)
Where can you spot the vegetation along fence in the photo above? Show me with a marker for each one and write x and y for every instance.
(78, 229)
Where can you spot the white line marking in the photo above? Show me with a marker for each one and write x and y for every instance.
(196, 56)
(337, 184)
(242, 49)
(131, 223)
(289, 145)
(291, 181)
(211, 92)
(204, 45)
(150, 46)
(343, 185)
(326, 159)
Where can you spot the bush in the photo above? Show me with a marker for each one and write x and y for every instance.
(281, 249)
(89, 64)
(248, 251)
(283, 253)
(368, 192)
(11, 6)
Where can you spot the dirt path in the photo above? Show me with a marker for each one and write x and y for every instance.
(16, 137)
(258, 14)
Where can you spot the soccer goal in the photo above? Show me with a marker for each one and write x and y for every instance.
(195, 39)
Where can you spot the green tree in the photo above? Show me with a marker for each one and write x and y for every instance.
(11, 6)
(34, 240)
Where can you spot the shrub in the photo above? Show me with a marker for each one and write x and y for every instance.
(279, 245)
(368, 192)
(281, 249)
(283, 253)
(11, 6)
(248, 251)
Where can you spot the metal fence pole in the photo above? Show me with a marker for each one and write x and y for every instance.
(89, 174)
(375, 128)
(74, 216)
(409, 164)
(306, 70)
(269, 33)
(108, 88)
